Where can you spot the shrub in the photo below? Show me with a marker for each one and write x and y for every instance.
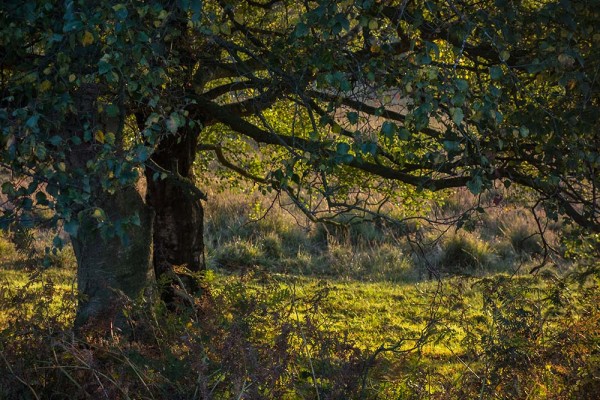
(238, 254)
(390, 263)
(464, 253)
(521, 232)
(272, 247)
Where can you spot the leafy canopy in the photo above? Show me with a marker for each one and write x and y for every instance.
(335, 100)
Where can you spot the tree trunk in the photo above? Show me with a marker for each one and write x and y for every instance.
(179, 216)
(109, 269)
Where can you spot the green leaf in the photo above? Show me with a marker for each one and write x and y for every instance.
(27, 203)
(301, 30)
(55, 140)
(388, 129)
(32, 122)
(451, 145)
(72, 228)
(475, 185)
(41, 198)
(369, 148)
(142, 153)
(142, 37)
(56, 242)
(196, 7)
(135, 219)
(496, 72)
(40, 152)
(457, 115)
(342, 148)
(104, 67)
(112, 110)
(340, 22)
(345, 85)
(352, 117)
(120, 11)
(404, 134)
(462, 85)
(347, 158)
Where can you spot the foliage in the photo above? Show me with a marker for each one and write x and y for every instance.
(346, 99)
(340, 106)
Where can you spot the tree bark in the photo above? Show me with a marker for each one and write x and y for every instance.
(109, 269)
(179, 216)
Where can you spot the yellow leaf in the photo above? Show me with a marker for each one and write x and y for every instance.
(110, 138)
(239, 18)
(99, 136)
(45, 85)
(87, 38)
(373, 24)
(225, 29)
(72, 78)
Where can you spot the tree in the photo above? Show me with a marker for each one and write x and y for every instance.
(106, 106)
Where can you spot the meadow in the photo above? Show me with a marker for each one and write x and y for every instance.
(295, 310)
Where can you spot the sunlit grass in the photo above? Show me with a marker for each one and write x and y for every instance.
(36, 294)
(335, 296)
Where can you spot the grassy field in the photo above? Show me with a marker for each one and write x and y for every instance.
(300, 311)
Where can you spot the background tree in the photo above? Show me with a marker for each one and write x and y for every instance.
(329, 102)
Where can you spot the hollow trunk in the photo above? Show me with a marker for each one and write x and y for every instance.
(110, 269)
(179, 216)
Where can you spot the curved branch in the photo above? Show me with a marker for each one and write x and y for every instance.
(226, 163)
(208, 109)
(178, 179)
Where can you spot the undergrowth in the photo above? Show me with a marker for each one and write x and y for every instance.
(294, 310)
(261, 336)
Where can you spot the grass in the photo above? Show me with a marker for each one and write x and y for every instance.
(293, 310)
(430, 328)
